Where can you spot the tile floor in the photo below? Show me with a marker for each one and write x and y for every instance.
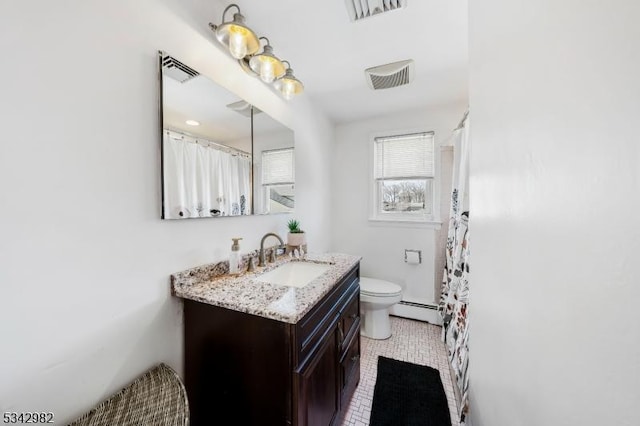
(411, 341)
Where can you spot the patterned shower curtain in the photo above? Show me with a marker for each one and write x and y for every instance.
(454, 299)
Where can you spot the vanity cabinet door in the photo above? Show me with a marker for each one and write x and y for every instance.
(351, 314)
(318, 385)
(349, 323)
(349, 329)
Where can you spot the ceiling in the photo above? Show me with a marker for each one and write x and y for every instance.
(329, 53)
(202, 100)
(206, 102)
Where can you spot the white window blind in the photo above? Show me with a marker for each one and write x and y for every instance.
(404, 156)
(278, 167)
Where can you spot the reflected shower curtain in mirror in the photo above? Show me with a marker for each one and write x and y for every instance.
(454, 298)
(202, 180)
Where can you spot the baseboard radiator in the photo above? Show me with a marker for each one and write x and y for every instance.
(431, 306)
(420, 311)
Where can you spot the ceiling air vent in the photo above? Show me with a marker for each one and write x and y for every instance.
(244, 108)
(177, 70)
(390, 75)
(360, 9)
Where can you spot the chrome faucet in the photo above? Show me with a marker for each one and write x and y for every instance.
(262, 256)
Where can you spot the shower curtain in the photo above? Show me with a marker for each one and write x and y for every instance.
(454, 298)
(201, 180)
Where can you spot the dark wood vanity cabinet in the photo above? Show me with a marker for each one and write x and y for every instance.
(244, 369)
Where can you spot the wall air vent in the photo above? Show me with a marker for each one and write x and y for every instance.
(360, 9)
(176, 70)
(390, 75)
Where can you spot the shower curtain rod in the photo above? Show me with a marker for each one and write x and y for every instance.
(464, 118)
(195, 139)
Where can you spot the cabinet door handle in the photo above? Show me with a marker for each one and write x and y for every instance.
(340, 333)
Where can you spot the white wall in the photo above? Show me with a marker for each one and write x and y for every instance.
(382, 244)
(84, 257)
(555, 184)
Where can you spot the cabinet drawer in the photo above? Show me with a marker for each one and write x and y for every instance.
(350, 363)
(351, 316)
(311, 328)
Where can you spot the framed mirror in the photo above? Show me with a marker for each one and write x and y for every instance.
(209, 135)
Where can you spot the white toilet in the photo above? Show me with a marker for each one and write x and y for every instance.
(376, 297)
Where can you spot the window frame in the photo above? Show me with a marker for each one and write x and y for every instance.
(376, 215)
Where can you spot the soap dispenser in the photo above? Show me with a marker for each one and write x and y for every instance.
(234, 258)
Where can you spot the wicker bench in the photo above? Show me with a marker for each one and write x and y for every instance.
(157, 398)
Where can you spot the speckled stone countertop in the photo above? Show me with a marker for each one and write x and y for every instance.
(245, 293)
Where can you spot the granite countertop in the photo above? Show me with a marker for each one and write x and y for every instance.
(245, 293)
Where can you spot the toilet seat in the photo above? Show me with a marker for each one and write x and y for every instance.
(379, 288)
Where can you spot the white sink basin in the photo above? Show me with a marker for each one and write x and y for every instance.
(294, 274)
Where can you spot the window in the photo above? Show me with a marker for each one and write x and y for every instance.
(403, 177)
(278, 177)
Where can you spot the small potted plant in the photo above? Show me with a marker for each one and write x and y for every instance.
(296, 236)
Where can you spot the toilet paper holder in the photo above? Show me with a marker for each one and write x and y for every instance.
(410, 256)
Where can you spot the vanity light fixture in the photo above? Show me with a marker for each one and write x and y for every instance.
(235, 35)
(243, 44)
(192, 122)
(266, 64)
(288, 84)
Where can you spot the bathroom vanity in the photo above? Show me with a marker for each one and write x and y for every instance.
(260, 353)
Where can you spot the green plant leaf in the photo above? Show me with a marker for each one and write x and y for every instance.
(294, 226)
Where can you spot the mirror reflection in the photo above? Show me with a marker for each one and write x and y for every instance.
(206, 146)
(220, 155)
(273, 166)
